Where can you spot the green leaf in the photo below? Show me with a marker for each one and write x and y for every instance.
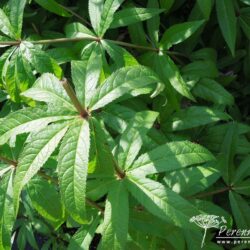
(73, 168)
(227, 22)
(5, 26)
(62, 55)
(9, 78)
(162, 202)
(47, 201)
(132, 139)
(120, 83)
(205, 7)
(242, 171)
(97, 188)
(240, 210)
(168, 71)
(29, 119)
(194, 116)
(201, 69)
(49, 89)
(19, 76)
(247, 2)
(119, 55)
(86, 73)
(166, 4)
(16, 16)
(145, 222)
(137, 34)
(116, 216)
(153, 24)
(95, 13)
(100, 151)
(211, 90)
(40, 60)
(133, 15)
(179, 33)
(244, 25)
(39, 148)
(228, 152)
(78, 30)
(7, 217)
(53, 7)
(171, 156)
(242, 187)
(83, 237)
(192, 180)
(107, 16)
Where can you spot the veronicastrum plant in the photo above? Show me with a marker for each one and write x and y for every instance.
(119, 123)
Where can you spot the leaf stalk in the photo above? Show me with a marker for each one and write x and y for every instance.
(81, 110)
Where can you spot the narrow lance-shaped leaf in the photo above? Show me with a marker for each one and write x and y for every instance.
(7, 216)
(161, 201)
(119, 55)
(153, 24)
(49, 89)
(18, 77)
(116, 216)
(242, 171)
(53, 7)
(132, 15)
(171, 156)
(228, 152)
(179, 33)
(192, 180)
(120, 83)
(168, 71)
(227, 22)
(46, 200)
(78, 30)
(132, 138)
(210, 90)
(40, 60)
(108, 11)
(9, 77)
(193, 117)
(95, 12)
(100, 152)
(86, 73)
(16, 16)
(28, 120)
(205, 7)
(240, 209)
(73, 167)
(41, 145)
(5, 26)
(83, 237)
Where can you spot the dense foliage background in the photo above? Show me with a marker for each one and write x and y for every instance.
(121, 121)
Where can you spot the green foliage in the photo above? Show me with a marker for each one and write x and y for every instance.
(122, 121)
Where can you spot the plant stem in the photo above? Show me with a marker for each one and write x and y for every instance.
(74, 14)
(118, 171)
(222, 190)
(81, 110)
(135, 46)
(47, 177)
(65, 40)
(8, 161)
(203, 239)
(94, 204)
(90, 38)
